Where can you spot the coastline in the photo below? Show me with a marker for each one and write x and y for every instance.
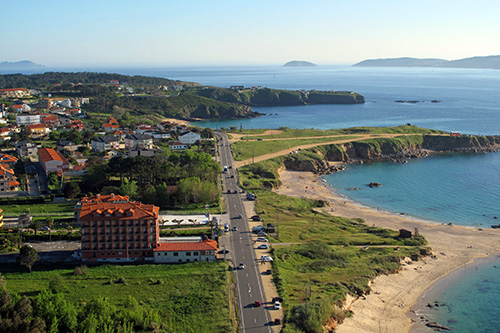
(388, 306)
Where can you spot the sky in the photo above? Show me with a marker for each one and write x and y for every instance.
(219, 32)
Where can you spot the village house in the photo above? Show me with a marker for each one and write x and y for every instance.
(15, 93)
(8, 159)
(66, 145)
(52, 160)
(138, 141)
(26, 149)
(189, 138)
(8, 181)
(185, 249)
(115, 229)
(49, 120)
(178, 146)
(27, 119)
(37, 130)
(21, 107)
(105, 143)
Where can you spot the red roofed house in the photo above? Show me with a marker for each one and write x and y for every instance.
(8, 159)
(16, 93)
(8, 181)
(52, 160)
(110, 127)
(37, 130)
(115, 229)
(75, 124)
(185, 249)
(49, 120)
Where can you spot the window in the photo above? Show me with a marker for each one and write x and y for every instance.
(176, 254)
(180, 260)
(195, 253)
(188, 254)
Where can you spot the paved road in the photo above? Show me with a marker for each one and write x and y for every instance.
(248, 281)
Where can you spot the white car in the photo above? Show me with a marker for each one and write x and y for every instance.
(263, 246)
(262, 239)
(266, 258)
(277, 305)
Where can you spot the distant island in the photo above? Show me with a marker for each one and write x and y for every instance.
(24, 64)
(297, 63)
(491, 62)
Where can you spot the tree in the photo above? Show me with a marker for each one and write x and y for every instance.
(35, 225)
(49, 222)
(129, 188)
(71, 190)
(53, 178)
(27, 256)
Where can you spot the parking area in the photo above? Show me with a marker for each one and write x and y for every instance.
(50, 252)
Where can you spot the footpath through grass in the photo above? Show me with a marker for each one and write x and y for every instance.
(188, 298)
(243, 150)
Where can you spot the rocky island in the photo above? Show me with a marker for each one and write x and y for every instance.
(297, 63)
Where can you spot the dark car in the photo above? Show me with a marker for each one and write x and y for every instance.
(223, 251)
(277, 321)
(278, 299)
(256, 219)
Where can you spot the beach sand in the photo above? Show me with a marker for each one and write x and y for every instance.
(387, 307)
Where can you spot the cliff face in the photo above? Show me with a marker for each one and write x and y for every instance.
(398, 149)
(274, 97)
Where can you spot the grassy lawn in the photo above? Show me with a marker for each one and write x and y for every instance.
(243, 150)
(189, 297)
(297, 133)
(60, 208)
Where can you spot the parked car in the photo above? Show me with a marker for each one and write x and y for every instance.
(258, 228)
(262, 233)
(235, 228)
(262, 239)
(278, 299)
(277, 305)
(223, 251)
(277, 321)
(269, 272)
(256, 218)
(232, 176)
(240, 216)
(241, 266)
(44, 228)
(257, 304)
(263, 246)
(266, 258)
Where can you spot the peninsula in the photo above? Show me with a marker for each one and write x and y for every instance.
(492, 62)
(24, 64)
(158, 98)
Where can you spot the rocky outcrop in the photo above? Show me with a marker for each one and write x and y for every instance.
(397, 150)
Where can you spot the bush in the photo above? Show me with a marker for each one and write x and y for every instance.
(81, 270)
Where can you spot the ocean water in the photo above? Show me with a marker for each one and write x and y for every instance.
(470, 304)
(445, 188)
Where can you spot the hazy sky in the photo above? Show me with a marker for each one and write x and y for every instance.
(217, 32)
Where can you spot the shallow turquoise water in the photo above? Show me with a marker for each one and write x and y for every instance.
(457, 188)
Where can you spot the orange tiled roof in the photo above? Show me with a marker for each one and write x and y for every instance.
(4, 168)
(206, 245)
(110, 125)
(13, 183)
(6, 158)
(129, 210)
(14, 89)
(33, 126)
(48, 154)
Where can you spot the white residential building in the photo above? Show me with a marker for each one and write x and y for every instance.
(189, 138)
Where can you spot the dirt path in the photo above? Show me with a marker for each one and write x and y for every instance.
(237, 137)
(287, 151)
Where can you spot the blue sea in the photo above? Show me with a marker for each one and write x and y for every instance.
(457, 188)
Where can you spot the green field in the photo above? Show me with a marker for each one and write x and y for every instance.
(330, 256)
(57, 209)
(187, 298)
(243, 150)
(297, 133)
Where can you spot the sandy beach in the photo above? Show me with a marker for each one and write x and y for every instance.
(387, 307)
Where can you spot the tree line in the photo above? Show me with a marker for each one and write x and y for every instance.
(190, 177)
